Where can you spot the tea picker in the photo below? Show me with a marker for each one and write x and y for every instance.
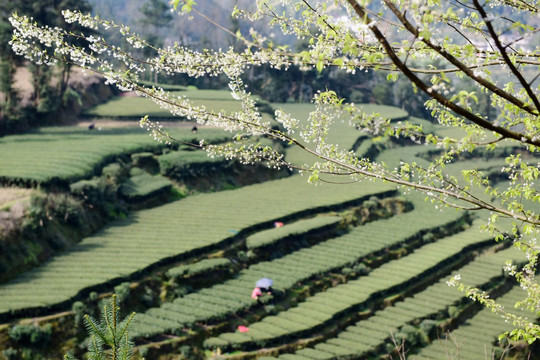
(262, 286)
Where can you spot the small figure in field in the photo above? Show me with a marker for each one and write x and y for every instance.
(262, 286)
(194, 129)
(268, 290)
(256, 293)
(91, 126)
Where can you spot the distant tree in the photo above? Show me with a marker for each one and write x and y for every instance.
(432, 44)
(8, 93)
(157, 15)
(47, 94)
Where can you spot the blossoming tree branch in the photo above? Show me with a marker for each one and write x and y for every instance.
(437, 45)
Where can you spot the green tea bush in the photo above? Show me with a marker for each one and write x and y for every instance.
(198, 267)
(148, 298)
(180, 290)
(141, 185)
(135, 171)
(427, 238)
(301, 227)
(143, 351)
(370, 204)
(186, 351)
(92, 191)
(410, 334)
(122, 291)
(453, 311)
(214, 343)
(79, 309)
(145, 160)
(30, 335)
(242, 255)
(361, 269)
(184, 164)
(427, 326)
(102, 193)
(10, 354)
(114, 172)
(55, 206)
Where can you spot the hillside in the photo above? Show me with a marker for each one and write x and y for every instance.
(182, 239)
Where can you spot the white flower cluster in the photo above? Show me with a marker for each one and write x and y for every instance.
(77, 17)
(247, 153)
(454, 281)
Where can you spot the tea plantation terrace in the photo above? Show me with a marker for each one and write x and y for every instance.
(372, 336)
(232, 295)
(475, 337)
(61, 155)
(147, 238)
(324, 307)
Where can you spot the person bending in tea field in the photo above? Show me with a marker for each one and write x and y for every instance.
(256, 293)
(268, 290)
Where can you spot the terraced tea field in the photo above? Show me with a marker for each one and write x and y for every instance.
(373, 334)
(67, 154)
(474, 340)
(285, 271)
(326, 306)
(176, 229)
(134, 107)
(341, 133)
(341, 290)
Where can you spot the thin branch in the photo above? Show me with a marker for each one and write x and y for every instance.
(522, 5)
(339, 182)
(506, 58)
(435, 95)
(320, 17)
(534, 79)
(489, 142)
(462, 4)
(248, 43)
(516, 40)
(439, 49)
(455, 206)
(463, 36)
